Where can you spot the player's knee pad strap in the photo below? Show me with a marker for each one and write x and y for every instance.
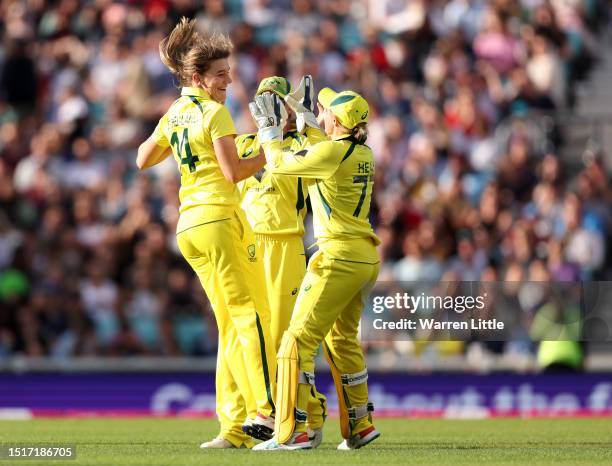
(287, 388)
(301, 416)
(357, 378)
(357, 412)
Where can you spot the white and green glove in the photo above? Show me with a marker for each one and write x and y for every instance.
(270, 115)
(302, 102)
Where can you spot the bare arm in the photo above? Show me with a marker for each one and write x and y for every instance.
(234, 168)
(149, 154)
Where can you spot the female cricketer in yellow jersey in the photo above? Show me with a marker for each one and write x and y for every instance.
(275, 206)
(212, 232)
(340, 275)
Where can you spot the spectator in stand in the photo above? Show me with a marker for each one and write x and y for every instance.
(468, 178)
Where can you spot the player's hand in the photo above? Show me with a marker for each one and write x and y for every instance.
(270, 115)
(302, 98)
(301, 101)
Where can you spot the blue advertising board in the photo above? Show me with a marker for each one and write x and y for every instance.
(393, 394)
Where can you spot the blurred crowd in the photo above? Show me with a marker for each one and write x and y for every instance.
(463, 97)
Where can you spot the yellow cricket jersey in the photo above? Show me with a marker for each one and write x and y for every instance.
(342, 171)
(275, 204)
(190, 126)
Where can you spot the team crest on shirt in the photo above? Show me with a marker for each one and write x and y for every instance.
(294, 292)
(251, 251)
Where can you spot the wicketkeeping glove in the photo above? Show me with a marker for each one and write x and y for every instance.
(270, 115)
(302, 102)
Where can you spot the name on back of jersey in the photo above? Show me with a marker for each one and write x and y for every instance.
(365, 168)
(258, 189)
(184, 119)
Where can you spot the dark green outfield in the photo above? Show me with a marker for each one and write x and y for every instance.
(174, 442)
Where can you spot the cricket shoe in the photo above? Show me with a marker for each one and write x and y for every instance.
(261, 428)
(315, 436)
(218, 444)
(299, 441)
(360, 439)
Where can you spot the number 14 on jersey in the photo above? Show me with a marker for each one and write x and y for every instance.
(183, 150)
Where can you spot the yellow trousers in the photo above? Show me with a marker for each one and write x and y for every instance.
(224, 255)
(329, 307)
(284, 267)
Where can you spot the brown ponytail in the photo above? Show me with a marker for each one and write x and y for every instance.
(360, 132)
(185, 51)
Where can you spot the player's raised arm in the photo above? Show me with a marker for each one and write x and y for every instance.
(320, 161)
(234, 168)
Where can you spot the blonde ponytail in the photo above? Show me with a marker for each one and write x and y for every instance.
(175, 46)
(360, 132)
(185, 51)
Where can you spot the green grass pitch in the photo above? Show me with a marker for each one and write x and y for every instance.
(174, 442)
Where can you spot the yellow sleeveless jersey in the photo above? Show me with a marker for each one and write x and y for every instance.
(275, 204)
(190, 126)
(342, 172)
